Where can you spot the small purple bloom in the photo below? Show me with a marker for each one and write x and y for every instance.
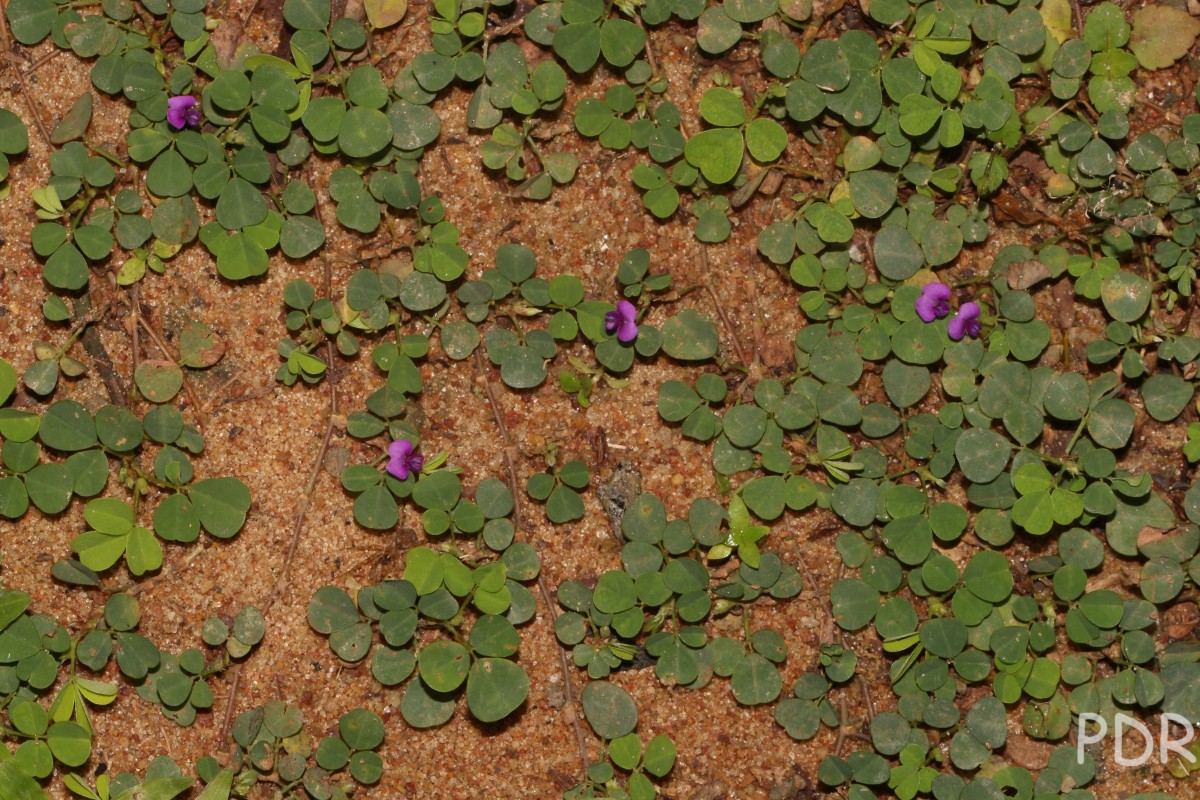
(182, 112)
(965, 322)
(403, 460)
(934, 302)
(623, 321)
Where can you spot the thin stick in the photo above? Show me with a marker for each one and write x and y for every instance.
(187, 384)
(153, 580)
(568, 690)
(868, 703)
(90, 316)
(85, 315)
(208, 403)
(649, 49)
(843, 712)
(135, 308)
(309, 488)
(19, 74)
(755, 320)
(1166, 114)
(44, 60)
(1078, 15)
(301, 512)
(234, 685)
(866, 692)
(817, 23)
(564, 666)
(737, 344)
(34, 110)
(485, 384)
(94, 347)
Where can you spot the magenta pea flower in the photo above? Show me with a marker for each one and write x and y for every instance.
(403, 460)
(182, 112)
(934, 302)
(623, 320)
(965, 322)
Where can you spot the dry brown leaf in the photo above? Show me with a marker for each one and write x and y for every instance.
(1180, 620)
(1149, 535)
(1162, 35)
(336, 461)
(1028, 753)
(1057, 16)
(1064, 302)
(799, 10)
(199, 346)
(1024, 274)
(385, 13)
(224, 41)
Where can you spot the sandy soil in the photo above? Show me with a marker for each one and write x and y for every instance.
(270, 437)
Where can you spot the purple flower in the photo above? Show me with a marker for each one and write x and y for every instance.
(182, 112)
(934, 301)
(403, 460)
(623, 321)
(965, 322)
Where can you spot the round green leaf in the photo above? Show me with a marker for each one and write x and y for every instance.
(67, 426)
(897, 254)
(240, 205)
(158, 381)
(854, 603)
(30, 21)
(1110, 423)
(717, 153)
(690, 336)
(873, 192)
(944, 637)
(361, 729)
(1125, 296)
(422, 707)
(988, 577)
(330, 610)
(221, 504)
(983, 454)
(444, 665)
(722, 107)
(755, 681)
(1166, 396)
(496, 687)
(609, 709)
(70, 743)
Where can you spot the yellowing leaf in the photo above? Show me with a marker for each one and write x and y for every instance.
(385, 13)
(132, 271)
(1057, 16)
(1162, 35)
(96, 692)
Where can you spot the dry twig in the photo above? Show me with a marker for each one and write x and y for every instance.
(94, 347)
(737, 344)
(306, 496)
(564, 666)
(18, 72)
(166, 351)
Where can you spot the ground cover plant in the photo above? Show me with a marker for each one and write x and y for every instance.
(906, 517)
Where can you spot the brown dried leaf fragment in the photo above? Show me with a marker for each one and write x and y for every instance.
(1162, 35)
(1023, 274)
(199, 346)
(384, 13)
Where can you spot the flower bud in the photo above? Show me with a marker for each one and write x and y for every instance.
(722, 606)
